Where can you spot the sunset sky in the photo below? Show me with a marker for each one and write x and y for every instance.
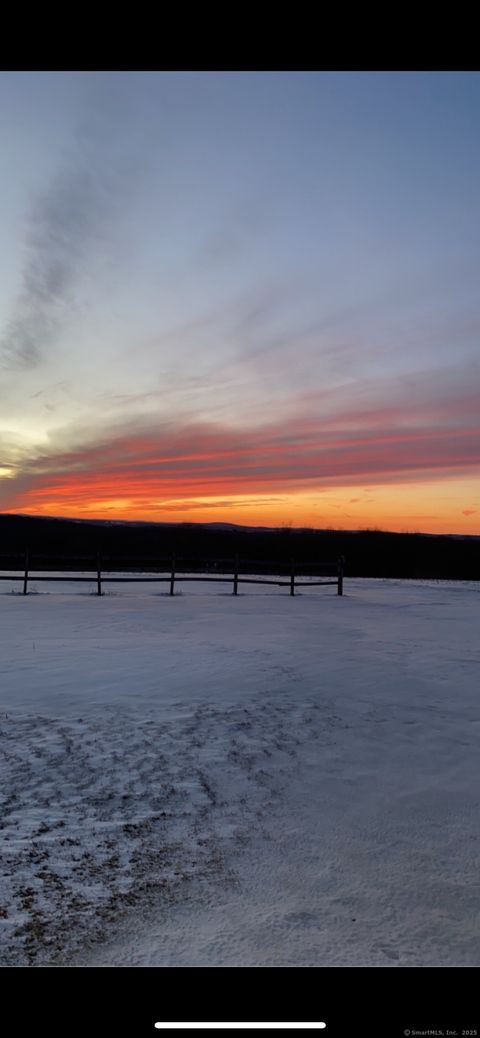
(241, 297)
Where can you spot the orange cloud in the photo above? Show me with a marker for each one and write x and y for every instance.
(196, 466)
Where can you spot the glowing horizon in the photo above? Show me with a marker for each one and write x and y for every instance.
(388, 510)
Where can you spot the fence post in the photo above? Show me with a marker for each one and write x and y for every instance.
(235, 576)
(99, 574)
(25, 579)
(172, 578)
(340, 575)
(292, 578)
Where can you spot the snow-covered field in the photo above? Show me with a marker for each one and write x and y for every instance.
(261, 780)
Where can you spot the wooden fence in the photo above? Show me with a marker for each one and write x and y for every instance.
(175, 571)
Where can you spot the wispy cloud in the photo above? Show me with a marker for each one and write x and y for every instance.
(66, 228)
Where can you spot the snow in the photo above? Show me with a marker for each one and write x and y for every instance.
(256, 780)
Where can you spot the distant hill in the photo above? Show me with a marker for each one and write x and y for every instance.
(74, 543)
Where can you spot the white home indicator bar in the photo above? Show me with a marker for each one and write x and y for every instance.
(238, 1027)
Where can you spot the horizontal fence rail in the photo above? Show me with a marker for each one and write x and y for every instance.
(233, 571)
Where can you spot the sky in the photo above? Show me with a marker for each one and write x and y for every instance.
(241, 297)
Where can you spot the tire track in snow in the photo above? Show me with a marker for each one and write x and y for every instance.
(100, 816)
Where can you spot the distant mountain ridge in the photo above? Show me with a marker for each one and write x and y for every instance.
(225, 526)
(368, 553)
